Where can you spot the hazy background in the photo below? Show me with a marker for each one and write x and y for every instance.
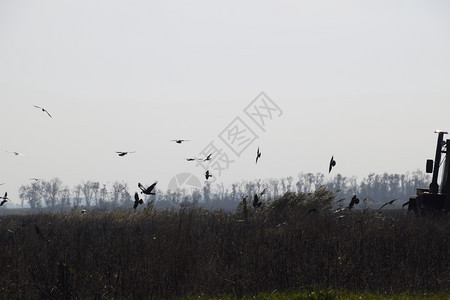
(365, 81)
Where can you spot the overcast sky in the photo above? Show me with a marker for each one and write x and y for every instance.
(365, 81)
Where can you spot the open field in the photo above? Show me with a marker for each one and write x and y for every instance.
(191, 252)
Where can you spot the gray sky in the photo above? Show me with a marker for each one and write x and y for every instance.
(365, 81)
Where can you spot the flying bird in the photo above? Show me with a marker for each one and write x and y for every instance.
(256, 202)
(179, 141)
(190, 159)
(137, 201)
(388, 203)
(208, 157)
(263, 192)
(35, 179)
(332, 164)
(207, 175)
(44, 110)
(147, 191)
(15, 153)
(258, 155)
(123, 153)
(5, 199)
(354, 201)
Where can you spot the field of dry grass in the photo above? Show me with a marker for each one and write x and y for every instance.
(164, 254)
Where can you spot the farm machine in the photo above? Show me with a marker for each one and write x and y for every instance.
(436, 198)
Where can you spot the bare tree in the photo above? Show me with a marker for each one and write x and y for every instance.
(88, 192)
(274, 183)
(31, 194)
(64, 197)
(77, 194)
(50, 191)
(95, 186)
(125, 196)
(207, 193)
(103, 197)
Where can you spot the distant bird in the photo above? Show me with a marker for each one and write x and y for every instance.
(137, 201)
(208, 157)
(332, 164)
(207, 175)
(354, 201)
(388, 203)
(35, 179)
(147, 191)
(44, 110)
(179, 141)
(263, 192)
(123, 153)
(83, 211)
(191, 159)
(256, 202)
(258, 155)
(15, 153)
(5, 199)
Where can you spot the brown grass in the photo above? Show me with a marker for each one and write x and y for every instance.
(165, 254)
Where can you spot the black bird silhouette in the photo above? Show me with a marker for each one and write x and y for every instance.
(208, 157)
(15, 153)
(256, 202)
(123, 153)
(207, 175)
(44, 110)
(35, 179)
(190, 159)
(388, 203)
(332, 164)
(354, 201)
(179, 141)
(258, 155)
(5, 199)
(147, 191)
(263, 192)
(137, 201)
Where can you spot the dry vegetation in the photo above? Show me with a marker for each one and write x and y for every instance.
(279, 247)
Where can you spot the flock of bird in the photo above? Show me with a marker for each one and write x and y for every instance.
(149, 190)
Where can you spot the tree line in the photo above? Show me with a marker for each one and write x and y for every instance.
(53, 195)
